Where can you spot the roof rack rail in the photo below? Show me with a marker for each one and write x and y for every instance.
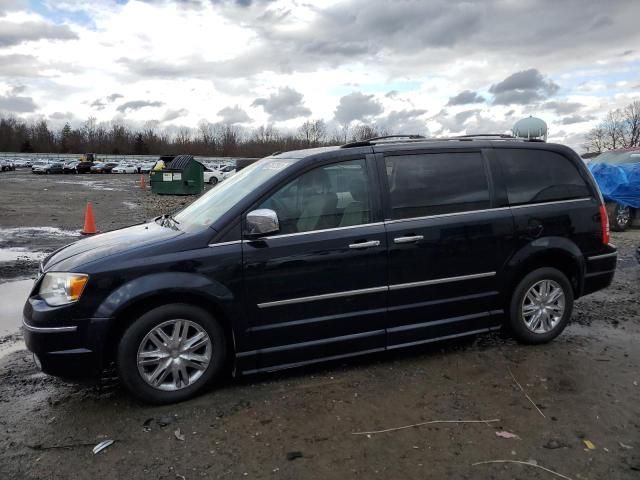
(374, 140)
(485, 135)
(420, 138)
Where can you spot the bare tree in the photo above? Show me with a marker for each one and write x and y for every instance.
(595, 140)
(613, 126)
(631, 116)
(313, 132)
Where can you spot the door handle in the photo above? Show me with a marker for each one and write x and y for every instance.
(411, 239)
(369, 244)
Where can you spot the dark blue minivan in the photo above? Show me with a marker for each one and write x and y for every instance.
(328, 253)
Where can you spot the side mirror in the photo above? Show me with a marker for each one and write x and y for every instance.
(261, 222)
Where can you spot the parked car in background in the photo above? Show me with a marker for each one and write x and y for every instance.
(324, 254)
(125, 168)
(145, 167)
(22, 163)
(103, 167)
(212, 177)
(84, 167)
(7, 165)
(618, 175)
(47, 167)
(70, 167)
(228, 171)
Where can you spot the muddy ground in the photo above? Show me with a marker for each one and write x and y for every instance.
(302, 424)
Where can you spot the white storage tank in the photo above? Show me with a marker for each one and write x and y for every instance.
(531, 128)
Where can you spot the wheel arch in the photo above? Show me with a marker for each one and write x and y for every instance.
(127, 315)
(559, 253)
(128, 302)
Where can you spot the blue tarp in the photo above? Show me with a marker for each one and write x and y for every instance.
(620, 183)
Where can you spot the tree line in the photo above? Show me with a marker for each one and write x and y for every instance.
(619, 129)
(208, 139)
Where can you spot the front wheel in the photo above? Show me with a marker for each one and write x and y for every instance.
(171, 353)
(213, 181)
(541, 306)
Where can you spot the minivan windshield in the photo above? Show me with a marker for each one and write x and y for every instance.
(215, 203)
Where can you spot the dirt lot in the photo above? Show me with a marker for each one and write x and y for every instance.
(303, 423)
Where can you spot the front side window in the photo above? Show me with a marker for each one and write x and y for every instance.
(538, 176)
(331, 196)
(217, 201)
(436, 183)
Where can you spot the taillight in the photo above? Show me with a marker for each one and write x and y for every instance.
(604, 224)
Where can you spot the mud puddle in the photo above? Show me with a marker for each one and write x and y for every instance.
(13, 295)
(18, 253)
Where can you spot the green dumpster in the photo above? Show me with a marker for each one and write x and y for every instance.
(182, 176)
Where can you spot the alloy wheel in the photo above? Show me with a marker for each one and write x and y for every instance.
(623, 215)
(174, 355)
(543, 306)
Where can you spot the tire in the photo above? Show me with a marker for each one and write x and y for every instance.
(213, 181)
(136, 340)
(620, 217)
(520, 300)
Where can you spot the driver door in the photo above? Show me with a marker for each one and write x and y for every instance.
(317, 289)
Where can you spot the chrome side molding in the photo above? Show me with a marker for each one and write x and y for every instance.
(364, 291)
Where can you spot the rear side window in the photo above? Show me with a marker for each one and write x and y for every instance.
(537, 176)
(436, 183)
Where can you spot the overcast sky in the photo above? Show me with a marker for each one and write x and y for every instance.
(436, 67)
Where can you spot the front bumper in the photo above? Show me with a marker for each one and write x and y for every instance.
(69, 348)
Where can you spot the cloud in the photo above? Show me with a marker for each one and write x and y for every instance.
(522, 88)
(11, 5)
(404, 121)
(18, 65)
(61, 116)
(170, 115)
(233, 115)
(391, 94)
(575, 118)
(465, 98)
(286, 104)
(98, 104)
(16, 104)
(137, 105)
(562, 108)
(101, 103)
(356, 106)
(12, 33)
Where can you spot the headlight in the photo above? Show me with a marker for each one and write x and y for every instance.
(59, 288)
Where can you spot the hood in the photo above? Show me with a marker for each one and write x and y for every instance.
(107, 244)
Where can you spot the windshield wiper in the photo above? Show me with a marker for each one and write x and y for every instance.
(167, 220)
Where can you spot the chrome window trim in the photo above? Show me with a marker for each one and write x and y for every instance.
(48, 329)
(285, 235)
(604, 255)
(437, 281)
(555, 202)
(363, 291)
(443, 215)
(324, 296)
(484, 210)
(222, 244)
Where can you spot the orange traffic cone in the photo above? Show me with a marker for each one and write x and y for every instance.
(89, 221)
(143, 185)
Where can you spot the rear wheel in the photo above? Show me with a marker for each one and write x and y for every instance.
(541, 306)
(619, 216)
(171, 353)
